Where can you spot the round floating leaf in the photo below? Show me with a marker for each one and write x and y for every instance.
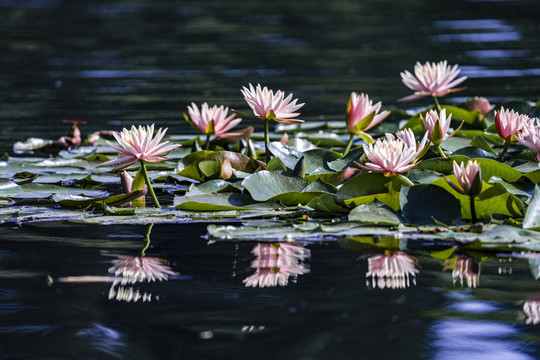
(287, 154)
(213, 202)
(375, 213)
(30, 145)
(275, 164)
(319, 158)
(368, 184)
(422, 204)
(320, 186)
(327, 203)
(216, 186)
(347, 160)
(264, 185)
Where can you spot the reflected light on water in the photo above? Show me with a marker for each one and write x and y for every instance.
(393, 271)
(531, 308)
(275, 263)
(468, 339)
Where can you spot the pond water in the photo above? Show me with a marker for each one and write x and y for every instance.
(113, 64)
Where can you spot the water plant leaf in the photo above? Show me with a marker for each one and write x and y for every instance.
(375, 213)
(275, 164)
(425, 203)
(265, 185)
(77, 201)
(532, 216)
(494, 199)
(368, 184)
(327, 203)
(216, 186)
(213, 202)
(287, 154)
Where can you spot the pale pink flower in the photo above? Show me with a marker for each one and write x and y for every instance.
(437, 126)
(509, 122)
(478, 103)
(392, 271)
(213, 120)
(529, 135)
(264, 102)
(469, 178)
(395, 154)
(359, 108)
(276, 262)
(134, 269)
(139, 144)
(435, 79)
(464, 267)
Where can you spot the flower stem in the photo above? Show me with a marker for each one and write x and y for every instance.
(440, 151)
(266, 140)
(505, 150)
(349, 144)
(207, 146)
(404, 180)
(437, 105)
(473, 209)
(149, 184)
(147, 239)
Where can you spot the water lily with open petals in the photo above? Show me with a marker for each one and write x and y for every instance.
(395, 154)
(139, 144)
(269, 106)
(435, 79)
(213, 120)
(362, 115)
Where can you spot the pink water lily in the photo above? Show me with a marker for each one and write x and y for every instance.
(509, 122)
(139, 144)
(362, 115)
(437, 126)
(213, 120)
(395, 154)
(435, 79)
(269, 106)
(529, 135)
(469, 178)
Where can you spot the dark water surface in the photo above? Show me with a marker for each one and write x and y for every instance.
(114, 64)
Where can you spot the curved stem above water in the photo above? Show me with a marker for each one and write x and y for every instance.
(149, 184)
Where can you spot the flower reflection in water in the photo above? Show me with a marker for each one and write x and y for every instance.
(394, 270)
(275, 263)
(531, 308)
(133, 270)
(464, 267)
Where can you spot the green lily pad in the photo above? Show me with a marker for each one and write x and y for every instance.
(425, 203)
(265, 185)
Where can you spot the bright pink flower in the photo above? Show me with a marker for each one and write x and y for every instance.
(276, 262)
(269, 106)
(362, 115)
(213, 120)
(435, 79)
(139, 144)
(469, 178)
(395, 154)
(509, 122)
(392, 271)
(529, 135)
(137, 269)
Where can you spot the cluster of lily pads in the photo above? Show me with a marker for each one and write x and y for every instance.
(452, 169)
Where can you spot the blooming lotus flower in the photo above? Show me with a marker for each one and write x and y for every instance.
(529, 135)
(139, 144)
(508, 123)
(392, 270)
(275, 263)
(269, 106)
(437, 125)
(395, 154)
(213, 120)
(435, 79)
(362, 115)
(469, 178)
